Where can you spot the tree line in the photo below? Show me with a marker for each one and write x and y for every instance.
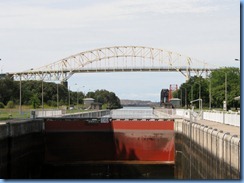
(212, 90)
(53, 94)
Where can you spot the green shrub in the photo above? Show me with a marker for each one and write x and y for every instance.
(1, 105)
(35, 101)
(10, 104)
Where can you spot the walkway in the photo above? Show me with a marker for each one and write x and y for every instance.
(233, 130)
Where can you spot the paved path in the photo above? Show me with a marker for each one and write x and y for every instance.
(233, 130)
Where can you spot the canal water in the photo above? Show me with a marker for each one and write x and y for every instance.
(107, 171)
(133, 112)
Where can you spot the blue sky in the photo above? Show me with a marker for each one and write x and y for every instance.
(36, 33)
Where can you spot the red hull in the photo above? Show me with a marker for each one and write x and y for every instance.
(117, 141)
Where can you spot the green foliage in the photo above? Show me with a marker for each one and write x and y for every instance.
(35, 101)
(214, 86)
(108, 99)
(104, 106)
(33, 91)
(8, 90)
(10, 105)
(218, 78)
(1, 105)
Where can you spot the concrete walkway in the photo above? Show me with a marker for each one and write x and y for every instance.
(233, 130)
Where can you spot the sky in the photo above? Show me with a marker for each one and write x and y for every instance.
(37, 33)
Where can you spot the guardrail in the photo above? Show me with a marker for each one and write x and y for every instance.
(231, 118)
(88, 114)
(46, 113)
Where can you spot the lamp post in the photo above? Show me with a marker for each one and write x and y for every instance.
(1, 67)
(225, 91)
(191, 92)
(181, 96)
(84, 90)
(210, 95)
(199, 93)
(69, 97)
(77, 97)
(20, 97)
(57, 96)
(42, 96)
(185, 97)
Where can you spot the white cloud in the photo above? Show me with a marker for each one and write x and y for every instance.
(20, 15)
(36, 33)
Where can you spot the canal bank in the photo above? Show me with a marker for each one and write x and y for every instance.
(204, 149)
(204, 152)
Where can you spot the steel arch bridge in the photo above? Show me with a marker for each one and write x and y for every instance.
(117, 59)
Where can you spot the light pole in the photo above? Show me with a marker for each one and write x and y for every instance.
(77, 97)
(185, 97)
(210, 94)
(69, 98)
(191, 92)
(199, 94)
(84, 90)
(225, 91)
(20, 97)
(57, 96)
(42, 96)
(181, 97)
(1, 67)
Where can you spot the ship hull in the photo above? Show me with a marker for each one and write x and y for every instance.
(118, 141)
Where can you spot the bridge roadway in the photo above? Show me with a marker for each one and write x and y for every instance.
(117, 59)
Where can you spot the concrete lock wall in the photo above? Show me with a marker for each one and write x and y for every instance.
(205, 153)
(21, 149)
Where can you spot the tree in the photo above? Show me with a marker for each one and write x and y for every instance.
(217, 78)
(35, 101)
(195, 88)
(8, 90)
(108, 99)
(10, 104)
(1, 105)
(198, 87)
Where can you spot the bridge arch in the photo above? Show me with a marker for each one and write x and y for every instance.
(117, 59)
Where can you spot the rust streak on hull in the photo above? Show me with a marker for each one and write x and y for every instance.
(77, 140)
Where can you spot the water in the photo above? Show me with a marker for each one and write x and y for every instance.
(108, 171)
(133, 112)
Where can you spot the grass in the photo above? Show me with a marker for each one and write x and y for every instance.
(14, 113)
